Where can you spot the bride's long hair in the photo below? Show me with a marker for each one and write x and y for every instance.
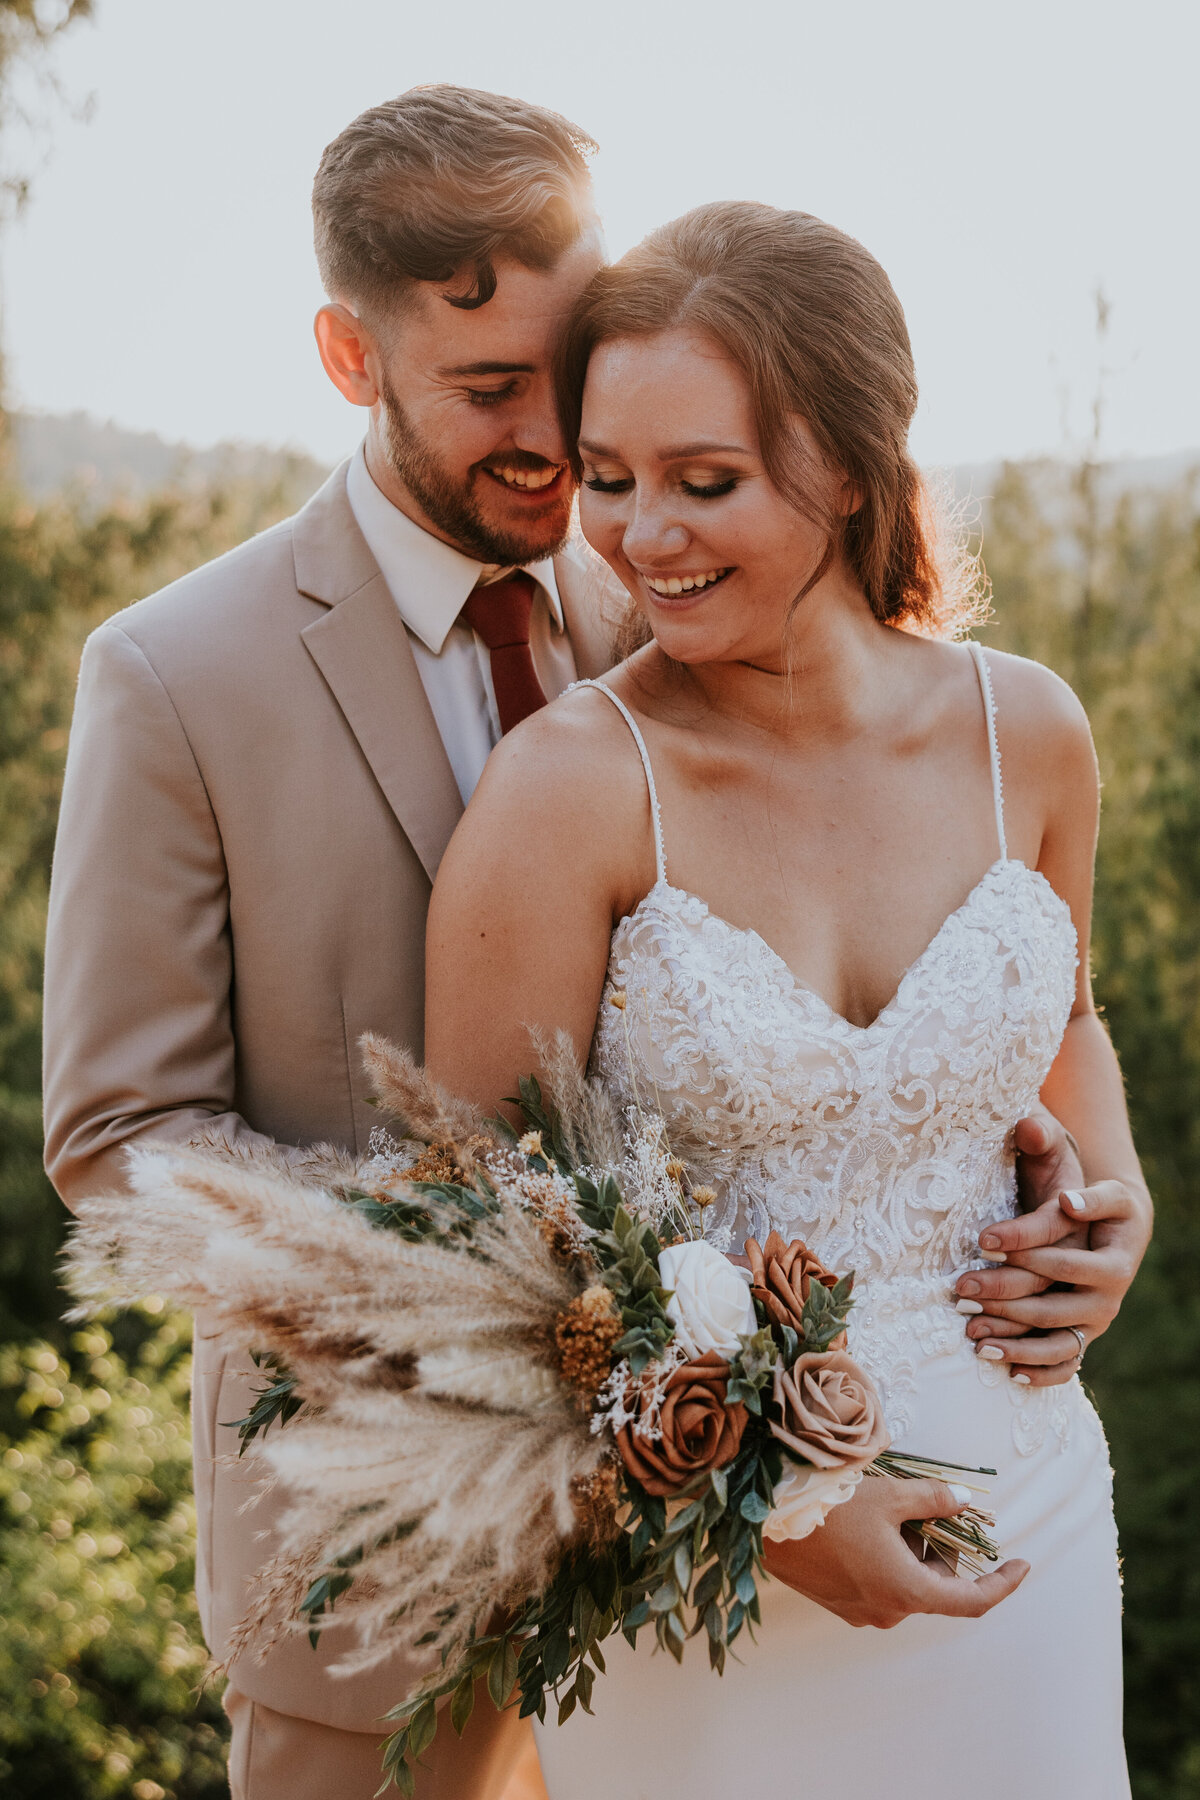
(813, 322)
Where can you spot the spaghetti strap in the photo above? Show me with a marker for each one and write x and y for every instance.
(660, 861)
(989, 707)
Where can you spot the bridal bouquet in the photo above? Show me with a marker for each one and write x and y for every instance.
(525, 1404)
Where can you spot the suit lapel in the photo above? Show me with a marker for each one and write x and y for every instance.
(363, 653)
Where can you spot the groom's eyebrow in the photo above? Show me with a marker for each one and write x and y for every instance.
(489, 368)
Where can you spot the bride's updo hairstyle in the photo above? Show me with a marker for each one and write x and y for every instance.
(813, 323)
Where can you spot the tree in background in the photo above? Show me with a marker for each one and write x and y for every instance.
(1108, 593)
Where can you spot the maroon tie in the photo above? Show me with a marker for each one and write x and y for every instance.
(500, 615)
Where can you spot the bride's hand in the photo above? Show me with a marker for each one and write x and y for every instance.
(859, 1566)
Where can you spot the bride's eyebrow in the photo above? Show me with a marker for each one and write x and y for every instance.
(677, 452)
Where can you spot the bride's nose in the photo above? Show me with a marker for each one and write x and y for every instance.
(652, 534)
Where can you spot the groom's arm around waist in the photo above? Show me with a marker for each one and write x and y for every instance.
(138, 1036)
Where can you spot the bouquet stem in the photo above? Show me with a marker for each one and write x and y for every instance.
(963, 1539)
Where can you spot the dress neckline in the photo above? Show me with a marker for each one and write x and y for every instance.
(803, 988)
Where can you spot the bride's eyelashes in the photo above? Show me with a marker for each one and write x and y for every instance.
(693, 489)
(711, 491)
(599, 486)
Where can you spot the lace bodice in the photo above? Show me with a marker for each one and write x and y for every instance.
(887, 1147)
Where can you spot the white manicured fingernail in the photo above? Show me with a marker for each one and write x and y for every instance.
(1077, 1202)
(968, 1306)
(962, 1495)
(991, 1352)
(993, 1255)
(1022, 1381)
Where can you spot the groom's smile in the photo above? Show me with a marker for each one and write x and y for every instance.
(532, 482)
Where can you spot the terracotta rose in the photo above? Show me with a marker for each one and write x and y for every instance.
(699, 1432)
(782, 1274)
(831, 1412)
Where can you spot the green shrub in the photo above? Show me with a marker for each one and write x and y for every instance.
(101, 1662)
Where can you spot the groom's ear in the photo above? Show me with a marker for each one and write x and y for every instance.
(346, 347)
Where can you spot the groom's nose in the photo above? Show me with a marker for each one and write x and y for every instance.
(538, 429)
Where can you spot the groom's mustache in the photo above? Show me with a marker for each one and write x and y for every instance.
(523, 462)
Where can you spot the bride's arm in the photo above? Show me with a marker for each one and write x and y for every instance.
(1056, 766)
(554, 847)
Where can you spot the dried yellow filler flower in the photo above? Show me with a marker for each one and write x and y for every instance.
(585, 1334)
(437, 1162)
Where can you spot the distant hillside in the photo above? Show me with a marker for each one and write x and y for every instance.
(75, 452)
(1145, 474)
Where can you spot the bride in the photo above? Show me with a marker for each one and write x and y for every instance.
(815, 878)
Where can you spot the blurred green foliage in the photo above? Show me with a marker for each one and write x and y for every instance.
(1108, 593)
(100, 1650)
(100, 1658)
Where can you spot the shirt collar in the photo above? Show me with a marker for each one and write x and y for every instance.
(428, 580)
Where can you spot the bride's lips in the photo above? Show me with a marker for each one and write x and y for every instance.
(700, 582)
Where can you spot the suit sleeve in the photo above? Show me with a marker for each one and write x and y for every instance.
(138, 1037)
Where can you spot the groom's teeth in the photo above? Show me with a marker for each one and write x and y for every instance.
(525, 478)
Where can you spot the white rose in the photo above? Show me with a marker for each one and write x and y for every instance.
(710, 1305)
(805, 1497)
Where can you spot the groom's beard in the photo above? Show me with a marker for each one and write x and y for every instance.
(453, 506)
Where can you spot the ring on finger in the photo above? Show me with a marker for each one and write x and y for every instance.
(1076, 1333)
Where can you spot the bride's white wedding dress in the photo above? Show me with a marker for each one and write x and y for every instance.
(887, 1148)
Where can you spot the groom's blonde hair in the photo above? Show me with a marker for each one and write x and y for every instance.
(434, 185)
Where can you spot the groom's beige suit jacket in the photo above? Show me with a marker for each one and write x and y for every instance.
(256, 802)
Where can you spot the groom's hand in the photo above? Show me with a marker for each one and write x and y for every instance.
(859, 1566)
(1048, 1166)
(1067, 1260)
(1081, 1289)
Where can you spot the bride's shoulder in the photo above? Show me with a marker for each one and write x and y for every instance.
(568, 783)
(578, 745)
(1044, 737)
(1033, 702)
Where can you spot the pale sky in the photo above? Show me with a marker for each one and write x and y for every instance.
(1001, 160)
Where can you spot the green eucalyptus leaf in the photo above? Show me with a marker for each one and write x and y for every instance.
(556, 1653)
(665, 1598)
(422, 1728)
(462, 1705)
(502, 1672)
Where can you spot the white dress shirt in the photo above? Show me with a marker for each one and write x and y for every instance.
(430, 582)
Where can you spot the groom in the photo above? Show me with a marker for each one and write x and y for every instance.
(268, 759)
